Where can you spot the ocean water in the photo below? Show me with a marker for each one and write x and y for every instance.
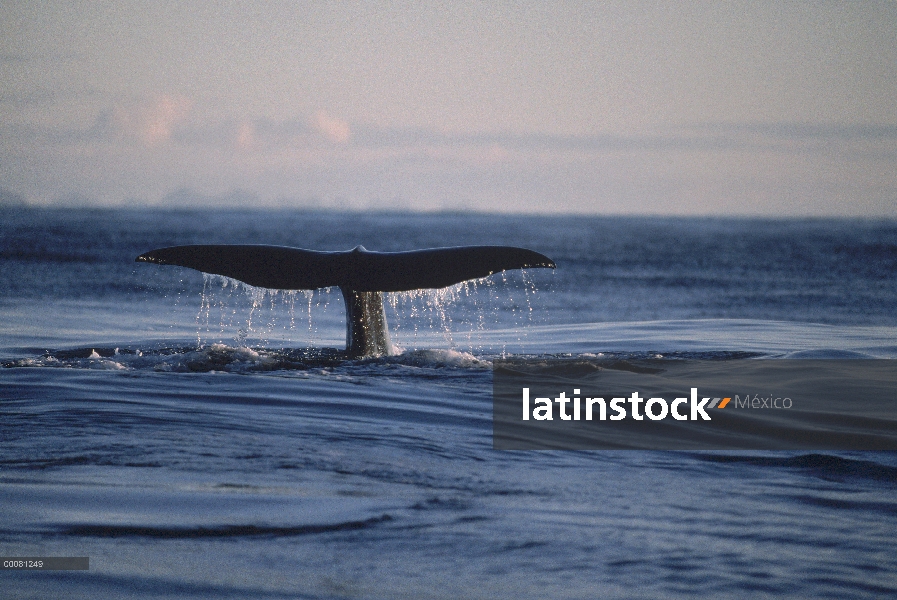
(198, 438)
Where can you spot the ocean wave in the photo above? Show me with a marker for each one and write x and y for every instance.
(221, 531)
(173, 358)
(825, 466)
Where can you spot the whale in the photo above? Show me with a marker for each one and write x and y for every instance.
(361, 275)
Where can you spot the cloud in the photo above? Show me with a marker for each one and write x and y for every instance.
(258, 134)
(807, 131)
(152, 122)
(335, 129)
(541, 142)
(246, 136)
(37, 96)
(711, 137)
(264, 135)
(165, 119)
(141, 150)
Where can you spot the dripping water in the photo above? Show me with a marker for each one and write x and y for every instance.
(457, 317)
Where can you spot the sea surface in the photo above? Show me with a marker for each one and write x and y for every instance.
(198, 438)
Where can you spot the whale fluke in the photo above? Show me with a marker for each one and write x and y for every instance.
(360, 274)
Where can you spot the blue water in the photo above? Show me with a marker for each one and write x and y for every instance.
(197, 438)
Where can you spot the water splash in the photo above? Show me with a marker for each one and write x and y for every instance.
(457, 317)
(231, 311)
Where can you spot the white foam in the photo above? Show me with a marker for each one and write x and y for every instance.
(106, 365)
(440, 358)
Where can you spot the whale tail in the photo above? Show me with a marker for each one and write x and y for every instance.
(361, 275)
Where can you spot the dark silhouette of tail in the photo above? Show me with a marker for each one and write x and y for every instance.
(361, 275)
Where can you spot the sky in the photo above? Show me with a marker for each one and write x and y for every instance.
(670, 108)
